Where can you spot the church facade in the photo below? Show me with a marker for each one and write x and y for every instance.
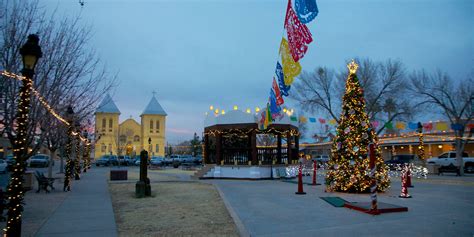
(129, 137)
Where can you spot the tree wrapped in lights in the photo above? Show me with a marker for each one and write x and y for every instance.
(349, 164)
(69, 161)
(30, 52)
(77, 161)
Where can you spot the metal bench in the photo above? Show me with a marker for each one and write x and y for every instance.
(44, 182)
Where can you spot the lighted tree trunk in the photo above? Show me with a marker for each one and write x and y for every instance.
(20, 149)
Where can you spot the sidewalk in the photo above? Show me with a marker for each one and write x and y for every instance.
(87, 211)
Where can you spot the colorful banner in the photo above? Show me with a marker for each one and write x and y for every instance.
(298, 33)
(400, 125)
(332, 122)
(375, 124)
(322, 121)
(276, 89)
(292, 49)
(412, 125)
(312, 120)
(306, 10)
(281, 80)
(291, 68)
(441, 126)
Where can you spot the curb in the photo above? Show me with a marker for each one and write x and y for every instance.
(243, 232)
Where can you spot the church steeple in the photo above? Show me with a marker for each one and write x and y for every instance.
(154, 108)
(107, 106)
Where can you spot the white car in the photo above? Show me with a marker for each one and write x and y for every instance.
(3, 166)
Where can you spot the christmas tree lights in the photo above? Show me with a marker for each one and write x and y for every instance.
(349, 164)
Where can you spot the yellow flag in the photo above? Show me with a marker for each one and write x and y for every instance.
(291, 69)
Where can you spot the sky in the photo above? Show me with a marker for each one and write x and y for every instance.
(197, 53)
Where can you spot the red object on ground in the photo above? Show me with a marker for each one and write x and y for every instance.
(300, 181)
(404, 192)
(409, 177)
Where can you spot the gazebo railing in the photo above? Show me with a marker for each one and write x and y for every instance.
(232, 155)
(269, 154)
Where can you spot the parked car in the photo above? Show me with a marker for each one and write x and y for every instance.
(10, 161)
(198, 160)
(113, 160)
(156, 160)
(106, 160)
(3, 166)
(398, 160)
(40, 160)
(177, 161)
(321, 158)
(449, 159)
(124, 160)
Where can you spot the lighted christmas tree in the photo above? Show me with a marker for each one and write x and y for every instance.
(349, 163)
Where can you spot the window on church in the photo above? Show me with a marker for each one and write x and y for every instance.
(110, 147)
(110, 125)
(103, 147)
(104, 124)
(151, 126)
(157, 147)
(157, 126)
(136, 138)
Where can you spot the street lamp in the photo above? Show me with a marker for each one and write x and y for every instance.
(30, 53)
(149, 147)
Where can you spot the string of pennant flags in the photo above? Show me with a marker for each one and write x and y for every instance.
(400, 125)
(293, 48)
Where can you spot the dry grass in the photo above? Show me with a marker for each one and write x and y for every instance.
(175, 209)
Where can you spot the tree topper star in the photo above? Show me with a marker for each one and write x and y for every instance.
(352, 67)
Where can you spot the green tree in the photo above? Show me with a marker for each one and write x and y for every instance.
(196, 145)
(349, 164)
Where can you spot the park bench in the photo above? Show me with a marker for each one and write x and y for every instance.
(43, 182)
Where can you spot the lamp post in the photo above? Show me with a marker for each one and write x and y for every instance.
(149, 148)
(30, 53)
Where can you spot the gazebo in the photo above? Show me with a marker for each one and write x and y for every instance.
(232, 149)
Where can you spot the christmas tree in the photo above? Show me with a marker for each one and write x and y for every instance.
(349, 164)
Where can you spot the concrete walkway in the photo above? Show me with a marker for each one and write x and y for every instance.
(87, 211)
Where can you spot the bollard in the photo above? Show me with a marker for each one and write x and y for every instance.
(404, 192)
(300, 181)
(142, 187)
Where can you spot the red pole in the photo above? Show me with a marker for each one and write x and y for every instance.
(373, 186)
(315, 167)
(300, 182)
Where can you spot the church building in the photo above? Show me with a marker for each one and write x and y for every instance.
(129, 137)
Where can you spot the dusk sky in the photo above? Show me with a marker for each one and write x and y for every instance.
(196, 53)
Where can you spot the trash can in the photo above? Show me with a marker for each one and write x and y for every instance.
(28, 180)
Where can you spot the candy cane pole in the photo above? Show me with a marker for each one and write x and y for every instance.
(404, 193)
(373, 186)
